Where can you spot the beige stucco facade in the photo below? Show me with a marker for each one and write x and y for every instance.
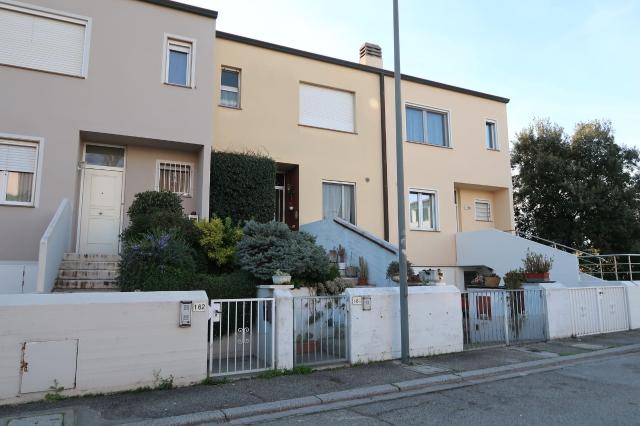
(123, 101)
(268, 121)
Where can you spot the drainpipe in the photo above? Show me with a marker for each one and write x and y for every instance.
(383, 133)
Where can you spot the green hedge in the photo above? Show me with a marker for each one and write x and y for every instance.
(242, 186)
(235, 285)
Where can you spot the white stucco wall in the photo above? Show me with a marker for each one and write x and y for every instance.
(122, 339)
(502, 252)
(435, 323)
(633, 303)
(559, 321)
(18, 277)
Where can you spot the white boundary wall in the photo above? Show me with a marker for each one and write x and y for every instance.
(435, 323)
(122, 339)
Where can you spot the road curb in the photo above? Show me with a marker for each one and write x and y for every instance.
(333, 400)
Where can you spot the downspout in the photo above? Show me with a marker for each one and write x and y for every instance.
(383, 133)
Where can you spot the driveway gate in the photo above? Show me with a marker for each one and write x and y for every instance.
(320, 330)
(241, 336)
(597, 310)
(503, 316)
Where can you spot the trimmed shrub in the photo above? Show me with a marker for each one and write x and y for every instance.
(218, 238)
(268, 247)
(159, 260)
(242, 186)
(155, 211)
(235, 285)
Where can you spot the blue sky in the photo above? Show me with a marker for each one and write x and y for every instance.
(568, 60)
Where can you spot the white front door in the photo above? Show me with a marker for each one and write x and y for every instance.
(101, 211)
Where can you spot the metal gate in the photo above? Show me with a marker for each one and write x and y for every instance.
(503, 316)
(597, 310)
(320, 327)
(241, 336)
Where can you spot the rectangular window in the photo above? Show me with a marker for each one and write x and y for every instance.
(327, 108)
(44, 40)
(427, 126)
(174, 177)
(179, 62)
(18, 165)
(422, 210)
(490, 135)
(230, 88)
(483, 211)
(338, 200)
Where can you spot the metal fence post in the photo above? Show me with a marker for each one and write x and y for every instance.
(506, 317)
(630, 269)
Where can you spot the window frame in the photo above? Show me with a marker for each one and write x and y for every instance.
(21, 140)
(489, 209)
(496, 145)
(180, 163)
(426, 109)
(355, 196)
(57, 15)
(436, 213)
(237, 90)
(180, 42)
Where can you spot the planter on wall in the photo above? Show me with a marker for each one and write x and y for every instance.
(492, 282)
(281, 279)
(535, 277)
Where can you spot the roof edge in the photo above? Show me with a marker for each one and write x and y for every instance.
(354, 65)
(184, 8)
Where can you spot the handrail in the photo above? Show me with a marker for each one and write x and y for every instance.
(53, 245)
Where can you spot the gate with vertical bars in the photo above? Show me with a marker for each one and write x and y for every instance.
(241, 336)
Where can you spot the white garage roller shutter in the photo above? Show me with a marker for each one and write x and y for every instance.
(327, 108)
(43, 41)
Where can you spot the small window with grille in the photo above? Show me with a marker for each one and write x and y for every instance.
(483, 211)
(174, 176)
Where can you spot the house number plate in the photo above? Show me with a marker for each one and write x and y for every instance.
(356, 300)
(200, 307)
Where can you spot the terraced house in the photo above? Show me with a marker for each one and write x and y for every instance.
(102, 100)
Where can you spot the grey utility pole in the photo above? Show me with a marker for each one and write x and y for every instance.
(402, 231)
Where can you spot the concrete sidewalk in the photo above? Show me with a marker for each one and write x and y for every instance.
(250, 397)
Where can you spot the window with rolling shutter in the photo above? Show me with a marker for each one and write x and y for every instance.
(174, 177)
(327, 108)
(483, 211)
(18, 165)
(43, 40)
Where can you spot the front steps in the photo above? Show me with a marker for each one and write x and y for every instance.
(88, 272)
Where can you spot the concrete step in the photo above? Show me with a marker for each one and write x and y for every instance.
(85, 290)
(66, 284)
(92, 257)
(88, 274)
(89, 265)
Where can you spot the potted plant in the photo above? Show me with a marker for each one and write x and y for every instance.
(491, 280)
(393, 271)
(341, 258)
(333, 256)
(281, 278)
(537, 266)
(351, 272)
(513, 279)
(305, 343)
(363, 277)
(478, 280)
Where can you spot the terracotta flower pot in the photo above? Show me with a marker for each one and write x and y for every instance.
(363, 281)
(491, 281)
(537, 276)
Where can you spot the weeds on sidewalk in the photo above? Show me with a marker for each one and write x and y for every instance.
(55, 393)
(162, 383)
(211, 381)
(277, 373)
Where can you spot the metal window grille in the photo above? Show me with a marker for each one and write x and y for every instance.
(175, 177)
(483, 211)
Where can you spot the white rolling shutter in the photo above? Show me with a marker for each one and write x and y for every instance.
(327, 108)
(483, 211)
(18, 158)
(43, 41)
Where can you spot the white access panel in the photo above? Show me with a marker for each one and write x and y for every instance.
(45, 363)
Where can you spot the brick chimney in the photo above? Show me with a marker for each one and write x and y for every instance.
(371, 54)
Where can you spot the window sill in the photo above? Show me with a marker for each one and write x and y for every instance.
(493, 149)
(58, 73)
(424, 230)
(28, 205)
(230, 107)
(326, 128)
(484, 221)
(178, 85)
(429, 144)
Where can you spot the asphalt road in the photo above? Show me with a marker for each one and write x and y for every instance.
(600, 392)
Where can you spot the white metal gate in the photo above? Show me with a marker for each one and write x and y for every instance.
(597, 310)
(241, 336)
(320, 327)
(503, 316)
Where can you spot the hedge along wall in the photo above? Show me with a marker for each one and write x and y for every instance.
(242, 186)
